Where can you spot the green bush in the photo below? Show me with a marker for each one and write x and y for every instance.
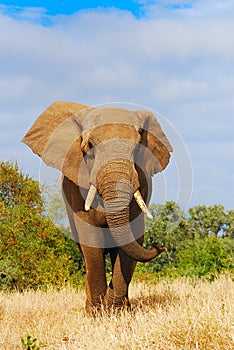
(200, 244)
(167, 230)
(30, 343)
(207, 257)
(33, 251)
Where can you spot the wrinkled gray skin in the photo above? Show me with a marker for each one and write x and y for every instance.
(117, 151)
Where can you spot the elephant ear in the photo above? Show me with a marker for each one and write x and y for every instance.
(155, 154)
(55, 137)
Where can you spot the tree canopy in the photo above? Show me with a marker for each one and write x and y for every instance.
(33, 251)
(200, 243)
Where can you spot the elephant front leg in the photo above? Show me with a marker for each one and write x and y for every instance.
(122, 271)
(96, 284)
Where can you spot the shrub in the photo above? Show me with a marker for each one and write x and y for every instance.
(33, 251)
(200, 244)
(206, 257)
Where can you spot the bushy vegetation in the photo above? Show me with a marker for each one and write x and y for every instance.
(36, 253)
(199, 244)
(33, 252)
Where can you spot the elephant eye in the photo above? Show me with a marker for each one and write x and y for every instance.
(90, 144)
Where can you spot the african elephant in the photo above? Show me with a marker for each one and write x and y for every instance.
(107, 157)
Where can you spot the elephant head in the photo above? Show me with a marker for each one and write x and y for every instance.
(111, 152)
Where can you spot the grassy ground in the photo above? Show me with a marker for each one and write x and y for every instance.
(167, 315)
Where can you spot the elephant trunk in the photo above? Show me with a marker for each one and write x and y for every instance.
(115, 186)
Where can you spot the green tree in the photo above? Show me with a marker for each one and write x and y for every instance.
(230, 224)
(197, 244)
(33, 251)
(55, 207)
(167, 230)
(207, 257)
(212, 220)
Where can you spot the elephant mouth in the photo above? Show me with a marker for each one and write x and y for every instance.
(137, 196)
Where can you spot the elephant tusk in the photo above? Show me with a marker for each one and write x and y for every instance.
(90, 197)
(142, 205)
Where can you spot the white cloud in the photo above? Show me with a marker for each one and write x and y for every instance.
(187, 8)
(29, 14)
(180, 65)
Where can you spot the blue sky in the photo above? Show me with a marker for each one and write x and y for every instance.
(69, 7)
(137, 8)
(174, 57)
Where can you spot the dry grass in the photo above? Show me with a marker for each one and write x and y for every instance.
(167, 315)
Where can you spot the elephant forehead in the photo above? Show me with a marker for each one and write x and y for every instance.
(106, 132)
(102, 116)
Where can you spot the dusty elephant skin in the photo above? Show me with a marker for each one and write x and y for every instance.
(107, 157)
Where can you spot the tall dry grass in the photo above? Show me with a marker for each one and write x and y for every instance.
(167, 315)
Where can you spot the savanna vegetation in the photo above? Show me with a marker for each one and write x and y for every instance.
(184, 299)
(172, 315)
(36, 252)
(33, 251)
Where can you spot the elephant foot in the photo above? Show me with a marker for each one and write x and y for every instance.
(116, 303)
(111, 303)
(94, 310)
(95, 307)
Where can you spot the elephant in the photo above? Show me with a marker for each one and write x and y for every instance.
(107, 157)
